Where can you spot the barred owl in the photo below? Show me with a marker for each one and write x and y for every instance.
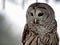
(41, 26)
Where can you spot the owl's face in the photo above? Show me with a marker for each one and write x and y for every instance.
(38, 14)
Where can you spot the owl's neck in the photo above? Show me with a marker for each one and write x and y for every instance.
(45, 28)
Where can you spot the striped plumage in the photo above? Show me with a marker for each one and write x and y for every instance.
(41, 26)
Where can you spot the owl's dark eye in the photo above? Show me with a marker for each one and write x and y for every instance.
(40, 14)
(31, 14)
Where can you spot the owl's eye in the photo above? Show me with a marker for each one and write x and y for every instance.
(31, 14)
(40, 14)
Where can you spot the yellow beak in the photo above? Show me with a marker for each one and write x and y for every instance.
(35, 20)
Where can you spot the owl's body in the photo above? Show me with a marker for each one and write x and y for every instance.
(41, 26)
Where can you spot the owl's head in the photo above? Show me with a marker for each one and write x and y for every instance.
(39, 13)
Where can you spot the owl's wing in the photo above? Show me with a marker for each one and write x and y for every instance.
(54, 37)
(54, 40)
(25, 32)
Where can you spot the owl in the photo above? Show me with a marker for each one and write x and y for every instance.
(41, 26)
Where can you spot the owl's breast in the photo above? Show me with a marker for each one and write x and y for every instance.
(40, 30)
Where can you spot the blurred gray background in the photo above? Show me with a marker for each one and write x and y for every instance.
(13, 19)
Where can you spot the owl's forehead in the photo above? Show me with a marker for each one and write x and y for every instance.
(36, 9)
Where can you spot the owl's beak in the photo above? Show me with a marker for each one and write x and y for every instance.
(35, 21)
